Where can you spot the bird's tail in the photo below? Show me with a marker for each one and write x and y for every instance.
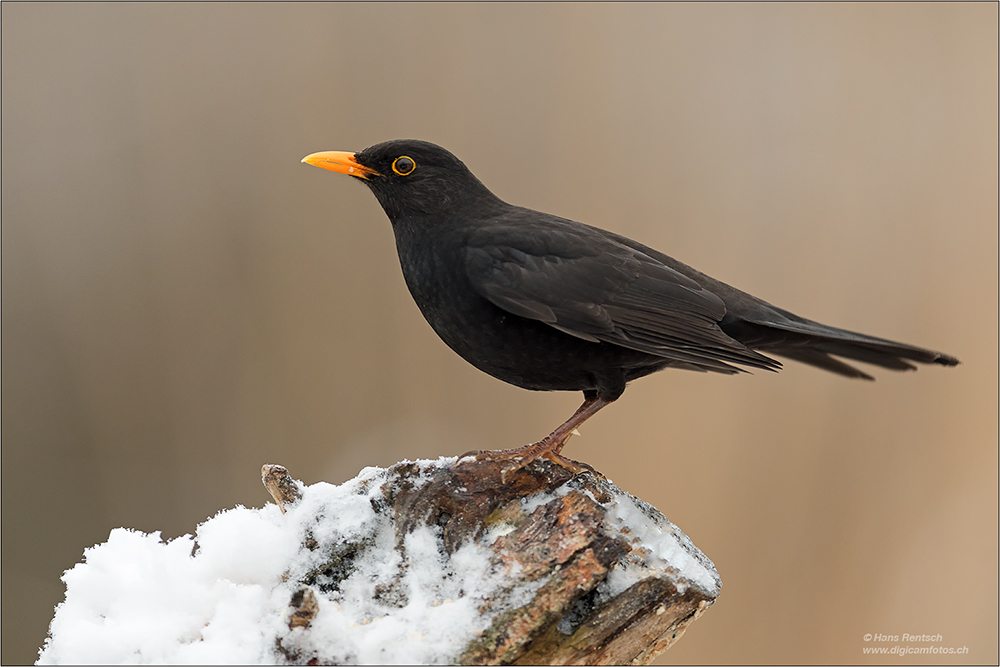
(787, 335)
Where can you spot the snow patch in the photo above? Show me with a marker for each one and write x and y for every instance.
(223, 595)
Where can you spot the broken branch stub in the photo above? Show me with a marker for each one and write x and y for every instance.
(280, 485)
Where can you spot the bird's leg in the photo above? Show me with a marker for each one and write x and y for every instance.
(550, 445)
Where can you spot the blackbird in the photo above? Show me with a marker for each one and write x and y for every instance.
(546, 303)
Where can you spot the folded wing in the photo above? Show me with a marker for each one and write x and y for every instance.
(602, 291)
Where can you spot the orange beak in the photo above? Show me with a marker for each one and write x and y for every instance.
(341, 162)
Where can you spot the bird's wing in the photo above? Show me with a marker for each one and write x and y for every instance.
(597, 289)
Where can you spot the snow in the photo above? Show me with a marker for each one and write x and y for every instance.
(667, 550)
(222, 596)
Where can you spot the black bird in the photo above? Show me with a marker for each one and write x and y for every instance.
(546, 303)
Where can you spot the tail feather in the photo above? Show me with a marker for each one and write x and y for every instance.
(824, 361)
(787, 335)
(880, 356)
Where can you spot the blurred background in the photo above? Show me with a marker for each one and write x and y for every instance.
(183, 301)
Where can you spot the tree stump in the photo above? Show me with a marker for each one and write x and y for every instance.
(580, 572)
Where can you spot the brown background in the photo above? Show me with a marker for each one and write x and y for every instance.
(184, 301)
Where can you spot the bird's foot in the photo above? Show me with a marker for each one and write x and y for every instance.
(521, 456)
(550, 445)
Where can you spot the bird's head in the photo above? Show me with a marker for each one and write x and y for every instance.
(409, 177)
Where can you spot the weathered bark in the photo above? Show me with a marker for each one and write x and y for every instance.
(566, 544)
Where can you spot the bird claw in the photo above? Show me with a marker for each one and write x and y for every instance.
(471, 452)
(508, 470)
(575, 467)
(523, 456)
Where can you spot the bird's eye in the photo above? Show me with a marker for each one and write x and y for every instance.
(404, 165)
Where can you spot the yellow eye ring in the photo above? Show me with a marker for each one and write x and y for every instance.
(404, 165)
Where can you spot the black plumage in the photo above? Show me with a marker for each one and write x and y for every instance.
(547, 303)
